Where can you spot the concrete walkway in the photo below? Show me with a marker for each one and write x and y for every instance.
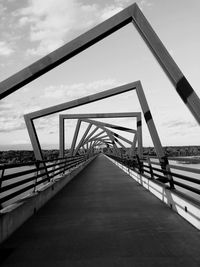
(103, 218)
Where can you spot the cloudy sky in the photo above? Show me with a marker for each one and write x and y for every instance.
(30, 29)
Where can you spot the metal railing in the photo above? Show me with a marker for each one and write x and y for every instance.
(19, 180)
(150, 167)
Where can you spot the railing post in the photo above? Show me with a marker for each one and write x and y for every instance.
(166, 171)
(150, 168)
(53, 169)
(37, 164)
(64, 166)
(140, 164)
(1, 180)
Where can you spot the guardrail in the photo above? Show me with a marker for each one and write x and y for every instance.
(18, 180)
(153, 170)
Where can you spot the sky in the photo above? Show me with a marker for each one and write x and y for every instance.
(30, 29)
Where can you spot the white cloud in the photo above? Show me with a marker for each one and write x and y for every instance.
(5, 106)
(2, 10)
(74, 91)
(52, 22)
(54, 92)
(144, 3)
(20, 141)
(9, 125)
(123, 2)
(23, 21)
(5, 49)
(30, 108)
(110, 11)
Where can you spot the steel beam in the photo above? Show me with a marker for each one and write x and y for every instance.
(82, 101)
(150, 122)
(83, 138)
(61, 137)
(100, 115)
(75, 137)
(116, 127)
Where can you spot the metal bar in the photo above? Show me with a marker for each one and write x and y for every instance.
(184, 169)
(101, 125)
(22, 173)
(100, 115)
(93, 137)
(133, 146)
(61, 137)
(34, 138)
(108, 125)
(120, 143)
(82, 139)
(150, 168)
(182, 86)
(106, 130)
(149, 120)
(91, 134)
(122, 138)
(139, 137)
(75, 138)
(65, 52)
(82, 101)
(192, 189)
(1, 180)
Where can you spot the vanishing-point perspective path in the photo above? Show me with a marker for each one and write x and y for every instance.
(103, 218)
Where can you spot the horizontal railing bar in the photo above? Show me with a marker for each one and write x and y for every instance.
(176, 158)
(195, 190)
(186, 178)
(22, 173)
(14, 185)
(187, 169)
(189, 188)
(19, 174)
(12, 176)
(180, 176)
(17, 193)
(181, 168)
(183, 159)
(15, 165)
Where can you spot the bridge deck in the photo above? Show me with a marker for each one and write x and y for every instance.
(103, 218)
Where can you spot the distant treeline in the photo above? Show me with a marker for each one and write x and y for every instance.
(175, 151)
(24, 156)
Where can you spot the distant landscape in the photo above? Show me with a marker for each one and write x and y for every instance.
(23, 156)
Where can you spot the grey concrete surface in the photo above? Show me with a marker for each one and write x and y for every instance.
(103, 218)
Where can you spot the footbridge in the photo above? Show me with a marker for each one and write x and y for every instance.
(103, 217)
(102, 201)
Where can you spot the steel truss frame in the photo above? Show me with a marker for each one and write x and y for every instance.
(100, 125)
(131, 14)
